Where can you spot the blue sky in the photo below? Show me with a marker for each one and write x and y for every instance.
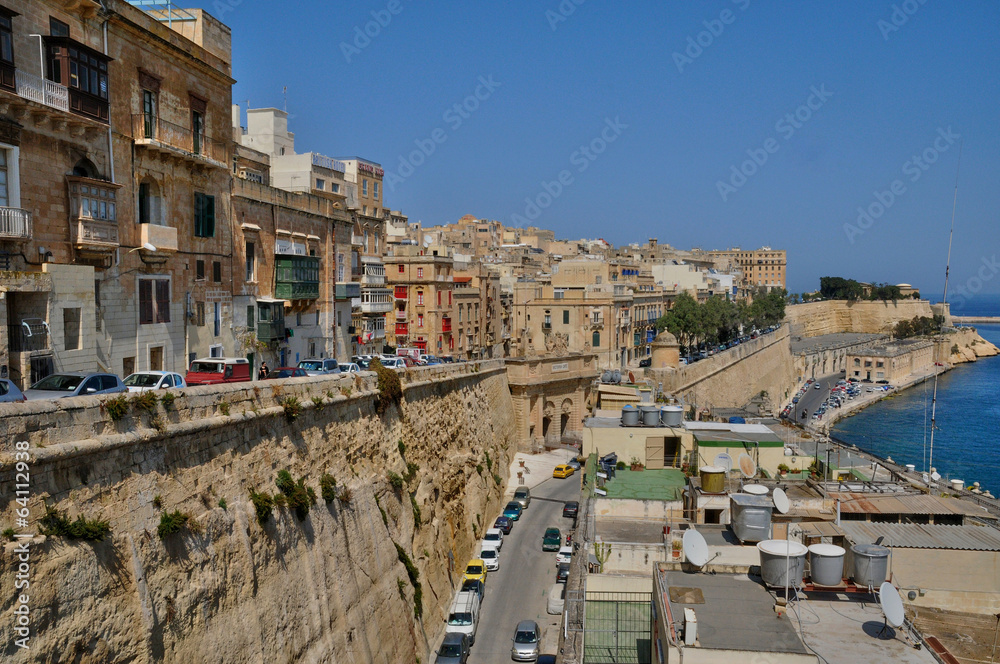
(667, 123)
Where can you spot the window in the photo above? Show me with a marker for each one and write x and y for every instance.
(547, 324)
(375, 190)
(199, 270)
(364, 186)
(439, 298)
(401, 268)
(420, 298)
(149, 114)
(71, 329)
(420, 320)
(251, 262)
(197, 131)
(880, 364)
(79, 68)
(4, 192)
(199, 317)
(449, 298)
(6, 40)
(90, 201)
(250, 318)
(420, 273)
(596, 341)
(868, 363)
(217, 272)
(204, 215)
(97, 303)
(565, 316)
(320, 184)
(144, 203)
(217, 319)
(857, 362)
(341, 267)
(154, 301)
(57, 28)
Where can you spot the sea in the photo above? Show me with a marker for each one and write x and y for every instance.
(966, 441)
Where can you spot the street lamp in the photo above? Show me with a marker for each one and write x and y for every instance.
(146, 245)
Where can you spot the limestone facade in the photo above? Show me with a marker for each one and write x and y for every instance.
(551, 396)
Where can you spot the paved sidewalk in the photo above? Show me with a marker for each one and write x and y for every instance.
(537, 468)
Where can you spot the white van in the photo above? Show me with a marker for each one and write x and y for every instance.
(464, 615)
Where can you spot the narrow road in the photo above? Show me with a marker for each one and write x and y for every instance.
(812, 399)
(519, 589)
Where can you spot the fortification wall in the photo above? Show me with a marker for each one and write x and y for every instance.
(813, 319)
(327, 588)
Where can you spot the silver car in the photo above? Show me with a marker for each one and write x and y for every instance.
(454, 649)
(143, 381)
(525, 642)
(63, 385)
(315, 366)
(9, 392)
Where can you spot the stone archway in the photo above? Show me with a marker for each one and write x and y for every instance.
(564, 417)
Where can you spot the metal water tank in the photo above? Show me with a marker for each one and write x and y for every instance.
(630, 416)
(773, 563)
(650, 415)
(606, 376)
(672, 416)
(750, 517)
(616, 376)
(871, 564)
(713, 479)
(826, 564)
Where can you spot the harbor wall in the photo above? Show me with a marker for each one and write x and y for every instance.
(813, 319)
(424, 476)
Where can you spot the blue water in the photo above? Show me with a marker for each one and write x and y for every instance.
(968, 414)
(977, 304)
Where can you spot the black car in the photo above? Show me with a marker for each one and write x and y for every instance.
(571, 509)
(645, 362)
(504, 524)
(476, 586)
(563, 574)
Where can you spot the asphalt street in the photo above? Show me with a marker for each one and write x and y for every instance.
(813, 398)
(519, 589)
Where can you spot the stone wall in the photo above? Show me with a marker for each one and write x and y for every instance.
(813, 319)
(327, 588)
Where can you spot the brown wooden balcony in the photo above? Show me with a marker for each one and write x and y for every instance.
(154, 133)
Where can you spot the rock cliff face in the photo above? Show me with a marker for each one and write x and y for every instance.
(830, 317)
(963, 345)
(331, 587)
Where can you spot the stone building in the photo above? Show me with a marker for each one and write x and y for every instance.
(890, 362)
(423, 289)
(551, 396)
(117, 162)
(764, 267)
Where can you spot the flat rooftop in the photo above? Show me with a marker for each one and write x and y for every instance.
(734, 612)
(831, 341)
(649, 484)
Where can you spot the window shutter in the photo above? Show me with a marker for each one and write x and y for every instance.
(198, 214)
(209, 216)
(162, 301)
(145, 301)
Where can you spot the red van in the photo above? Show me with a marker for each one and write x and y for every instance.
(215, 370)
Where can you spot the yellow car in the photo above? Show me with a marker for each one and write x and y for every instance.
(563, 471)
(475, 571)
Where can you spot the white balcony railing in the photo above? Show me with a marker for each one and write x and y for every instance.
(376, 307)
(37, 89)
(15, 224)
(400, 315)
(373, 280)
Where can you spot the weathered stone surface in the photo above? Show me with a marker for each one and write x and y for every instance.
(813, 319)
(325, 589)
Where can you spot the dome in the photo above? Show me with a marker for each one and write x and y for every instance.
(665, 338)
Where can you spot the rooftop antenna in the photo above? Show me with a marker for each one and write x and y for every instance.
(696, 549)
(892, 609)
(284, 93)
(944, 299)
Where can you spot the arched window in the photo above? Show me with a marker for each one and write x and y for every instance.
(597, 339)
(150, 203)
(86, 169)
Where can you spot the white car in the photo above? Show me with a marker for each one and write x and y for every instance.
(393, 363)
(492, 559)
(143, 381)
(564, 555)
(349, 367)
(493, 539)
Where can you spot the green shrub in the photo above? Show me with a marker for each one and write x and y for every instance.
(168, 400)
(222, 503)
(489, 462)
(497, 478)
(56, 523)
(171, 522)
(157, 502)
(395, 480)
(346, 391)
(157, 423)
(620, 465)
(280, 500)
(479, 468)
(416, 512)
(292, 408)
(299, 496)
(317, 401)
(116, 407)
(8, 533)
(344, 495)
(328, 487)
(285, 483)
(144, 401)
(390, 390)
(414, 574)
(401, 585)
(401, 446)
(263, 504)
(224, 408)
(411, 471)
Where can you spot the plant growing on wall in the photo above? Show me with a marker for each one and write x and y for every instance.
(390, 390)
(172, 522)
(328, 487)
(57, 523)
(292, 408)
(298, 496)
(602, 551)
(263, 503)
(414, 574)
(115, 407)
(168, 400)
(144, 401)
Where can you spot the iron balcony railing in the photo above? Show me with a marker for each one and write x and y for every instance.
(28, 336)
(37, 89)
(150, 129)
(15, 224)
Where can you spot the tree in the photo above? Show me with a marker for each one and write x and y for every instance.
(683, 320)
(838, 288)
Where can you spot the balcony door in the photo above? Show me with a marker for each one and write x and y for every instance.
(148, 114)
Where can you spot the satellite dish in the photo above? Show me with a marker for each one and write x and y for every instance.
(428, 239)
(695, 548)
(935, 476)
(631, 377)
(755, 489)
(892, 605)
(747, 466)
(723, 460)
(781, 501)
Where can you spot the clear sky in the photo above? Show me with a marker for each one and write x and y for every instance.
(825, 105)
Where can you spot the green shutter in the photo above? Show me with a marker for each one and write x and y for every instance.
(210, 216)
(198, 214)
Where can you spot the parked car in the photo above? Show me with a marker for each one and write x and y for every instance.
(393, 362)
(476, 569)
(504, 524)
(557, 599)
(63, 385)
(491, 557)
(546, 659)
(645, 362)
(216, 370)
(551, 540)
(574, 464)
(562, 573)
(315, 366)
(564, 555)
(513, 510)
(349, 367)
(524, 646)
(562, 471)
(9, 392)
(454, 649)
(523, 496)
(474, 586)
(493, 539)
(571, 509)
(142, 381)
(288, 372)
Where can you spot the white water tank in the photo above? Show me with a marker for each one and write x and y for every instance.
(672, 416)
(690, 627)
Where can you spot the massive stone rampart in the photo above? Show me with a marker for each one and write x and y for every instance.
(328, 588)
(813, 319)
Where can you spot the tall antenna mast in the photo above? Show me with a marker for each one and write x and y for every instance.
(944, 306)
(284, 93)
